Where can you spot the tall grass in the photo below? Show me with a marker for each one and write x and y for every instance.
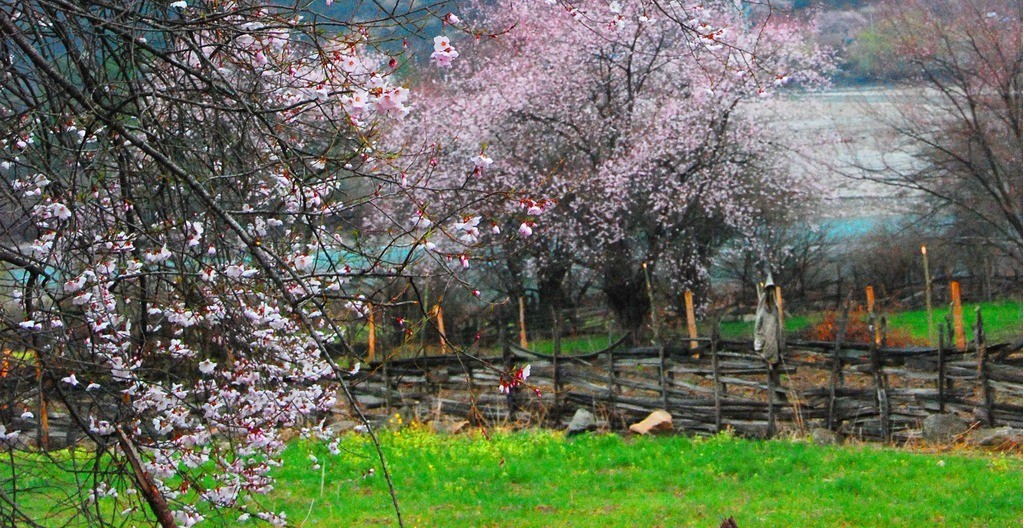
(539, 478)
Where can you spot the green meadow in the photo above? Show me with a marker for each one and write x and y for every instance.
(540, 478)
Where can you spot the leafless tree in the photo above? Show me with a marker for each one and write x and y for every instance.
(960, 119)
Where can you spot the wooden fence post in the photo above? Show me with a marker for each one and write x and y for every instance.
(522, 323)
(940, 382)
(717, 379)
(836, 377)
(611, 378)
(387, 387)
(443, 336)
(950, 345)
(771, 400)
(691, 319)
(506, 360)
(958, 315)
(43, 435)
(556, 379)
(988, 399)
(782, 321)
(881, 391)
(662, 367)
(371, 324)
(869, 295)
(928, 294)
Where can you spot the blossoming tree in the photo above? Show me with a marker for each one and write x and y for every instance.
(184, 188)
(198, 197)
(622, 126)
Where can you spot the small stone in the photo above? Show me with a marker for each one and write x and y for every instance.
(824, 437)
(582, 422)
(341, 426)
(942, 428)
(995, 437)
(657, 421)
(369, 402)
(459, 427)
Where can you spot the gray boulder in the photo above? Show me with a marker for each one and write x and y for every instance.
(582, 422)
(942, 428)
(995, 437)
(824, 437)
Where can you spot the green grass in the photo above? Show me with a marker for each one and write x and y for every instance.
(1003, 322)
(745, 330)
(539, 478)
(542, 479)
(573, 344)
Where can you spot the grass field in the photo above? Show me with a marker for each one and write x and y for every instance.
(542, 479)
(1003, 322)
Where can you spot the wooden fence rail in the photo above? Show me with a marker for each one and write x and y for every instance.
(858, 389)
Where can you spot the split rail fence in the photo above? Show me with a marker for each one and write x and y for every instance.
(866, 390)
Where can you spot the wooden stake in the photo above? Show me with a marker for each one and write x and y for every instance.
(869, 292)
(772, 395)
(881, 387)
(941, 381)
(443, 336)
(372, 330)
(556, 380)
(691, 320)
(782, 319)
(650, 300)
(836, 377)
(928, 295)
(611, 379)
(988, 397)
(719, 386)
(662, 369)
(424, 303)
(958, 315)
(44, 414)
(522, 322)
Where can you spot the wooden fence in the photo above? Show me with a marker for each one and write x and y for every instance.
(865, 390)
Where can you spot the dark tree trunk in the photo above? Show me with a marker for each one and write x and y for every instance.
(627, 297)
(552, 292)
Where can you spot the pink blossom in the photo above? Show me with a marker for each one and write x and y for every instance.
(156, 256)
(514, 379)
(393, 102)
(443, 52)
(481, 162)
(206, 366)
